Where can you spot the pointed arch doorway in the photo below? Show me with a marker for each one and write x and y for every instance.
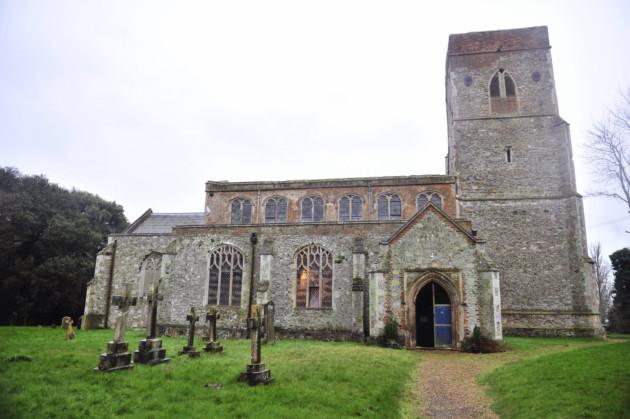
(434, 325)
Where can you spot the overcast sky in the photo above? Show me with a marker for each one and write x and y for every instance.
(142, 102)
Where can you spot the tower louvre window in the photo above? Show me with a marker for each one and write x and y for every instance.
(502, 85)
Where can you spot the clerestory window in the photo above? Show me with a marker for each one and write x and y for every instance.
(388, 207)
(425, 197)
(312, 209)
(225, 276)
(314, 277)
(276, 210)
(350, 208)
(241, 211)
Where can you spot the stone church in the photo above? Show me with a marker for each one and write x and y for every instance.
(498, 242)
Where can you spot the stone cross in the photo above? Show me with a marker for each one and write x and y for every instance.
(152, 300)
(211, 318)
(192, 318)
(256, 373)
(123, 302)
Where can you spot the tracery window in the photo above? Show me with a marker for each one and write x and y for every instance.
(149, 273)
(388, 207)
(241, 211)
(312, 209)
(225, 276)
(314, 277)
(350, 208)
(425, 197)
(276, 210)
(502, 85)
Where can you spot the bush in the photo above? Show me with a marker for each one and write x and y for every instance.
(391, 338)
(477, 343)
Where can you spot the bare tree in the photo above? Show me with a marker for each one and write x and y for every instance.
(602, 275)
(609, 152)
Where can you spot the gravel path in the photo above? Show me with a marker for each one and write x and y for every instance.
(448, 386)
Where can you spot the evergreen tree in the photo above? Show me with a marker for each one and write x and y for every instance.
(620, 315)
(49, 237)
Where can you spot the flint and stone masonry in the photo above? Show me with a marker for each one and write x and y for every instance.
(497, 243)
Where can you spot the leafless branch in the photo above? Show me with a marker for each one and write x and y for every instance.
(608, 153)
(602, 275)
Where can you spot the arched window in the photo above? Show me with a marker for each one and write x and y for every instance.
(350, 208)
(425, 197)
(502, 85)
(276, 210)
(388, 207)
(241, 211)
(225, 276)
(502, 93)
(312, 209)
(149, 273)
(314, 277)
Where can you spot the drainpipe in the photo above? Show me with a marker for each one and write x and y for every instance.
(253, 240)
(110, 280)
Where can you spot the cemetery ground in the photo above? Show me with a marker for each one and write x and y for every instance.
(44, 376)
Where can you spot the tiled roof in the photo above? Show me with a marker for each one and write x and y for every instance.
(156, 223)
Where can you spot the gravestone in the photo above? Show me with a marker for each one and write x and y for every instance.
(67, 323)
(189, 349)
(270, 329)
(117, 356)
(150, 350)
(213, 346)
(256, 373)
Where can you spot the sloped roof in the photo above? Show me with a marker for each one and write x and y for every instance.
(160, 223)
(420, 214)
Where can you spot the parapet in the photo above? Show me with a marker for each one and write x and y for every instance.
(498, 41)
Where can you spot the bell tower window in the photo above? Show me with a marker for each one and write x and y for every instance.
(502, 93)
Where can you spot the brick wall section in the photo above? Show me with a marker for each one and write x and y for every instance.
(219, 195)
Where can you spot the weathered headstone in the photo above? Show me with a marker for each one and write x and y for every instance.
(189, 349)
(256, 372)
(270, 329)
(67, 323)
(117, 356)
(213, 346)
(150, 350)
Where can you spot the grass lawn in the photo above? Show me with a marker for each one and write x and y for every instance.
(589, 382)
(311, 379)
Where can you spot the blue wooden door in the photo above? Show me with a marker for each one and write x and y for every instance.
(442, 325)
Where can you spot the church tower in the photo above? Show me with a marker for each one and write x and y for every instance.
(511, 153)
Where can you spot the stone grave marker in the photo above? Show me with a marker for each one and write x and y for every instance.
(117, 356)
(190, 348)
(67, 323)
(213, 346)
(150, 350)
(256, 373)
